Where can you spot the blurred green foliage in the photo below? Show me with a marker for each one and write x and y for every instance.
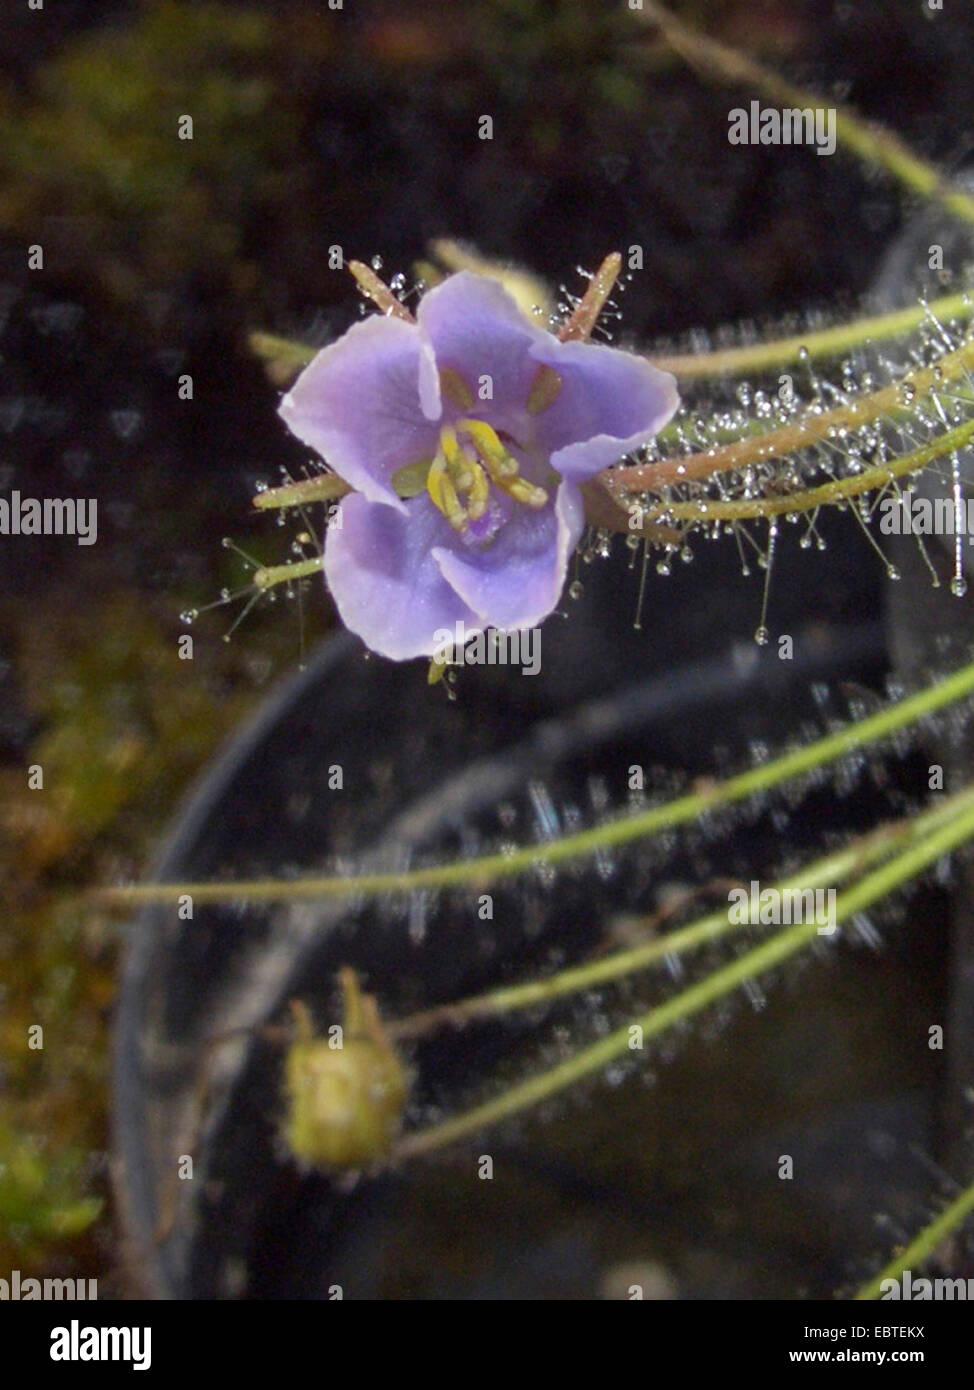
(39, 1199)
(122, 723)
(92, 160)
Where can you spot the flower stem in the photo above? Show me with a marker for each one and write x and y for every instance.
(923, 1246)
(286, 357)
(807, 429)
(755, 357)
(283, 352)
(290, 356)
(473, 873)
(325, 488)
(824, 342)
(578, 327)
(828, 871)
(269, 575)
(689, 1002)
(380, 294)
(839, 489)
(874, 145)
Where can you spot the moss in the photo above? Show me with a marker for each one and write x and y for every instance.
(39, 1194)
(122, 726)
(94, 164)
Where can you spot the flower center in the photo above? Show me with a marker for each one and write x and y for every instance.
(469, 459)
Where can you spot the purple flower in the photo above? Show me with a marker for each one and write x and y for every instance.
(465, 437)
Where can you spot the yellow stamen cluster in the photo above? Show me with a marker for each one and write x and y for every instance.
(459, 478)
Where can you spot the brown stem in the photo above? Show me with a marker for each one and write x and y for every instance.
(379, 293)
(838, 490)
(809, 429)
(579, 326)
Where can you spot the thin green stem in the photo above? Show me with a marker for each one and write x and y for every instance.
(923, 1246)
(269, 575)
(756, 357)
(583, 318)
(875, 146)
(750, 966)
(325, 488)
(285, 352)
(805, 429)
(379, 292)
(830, 870)
(825, 342)
(838, 490)
(473, 873)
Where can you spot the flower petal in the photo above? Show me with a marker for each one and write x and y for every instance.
(517, 580)
(610, 403)
(475, 328)
(384, 580)
(357, 404)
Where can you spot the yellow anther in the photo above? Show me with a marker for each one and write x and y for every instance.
(500, 464)
(468, 476)
(437, 670)
(455, 389)
(456, 460)
(479, 493)
(545, 389)
(523, 491)
(440, 487)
